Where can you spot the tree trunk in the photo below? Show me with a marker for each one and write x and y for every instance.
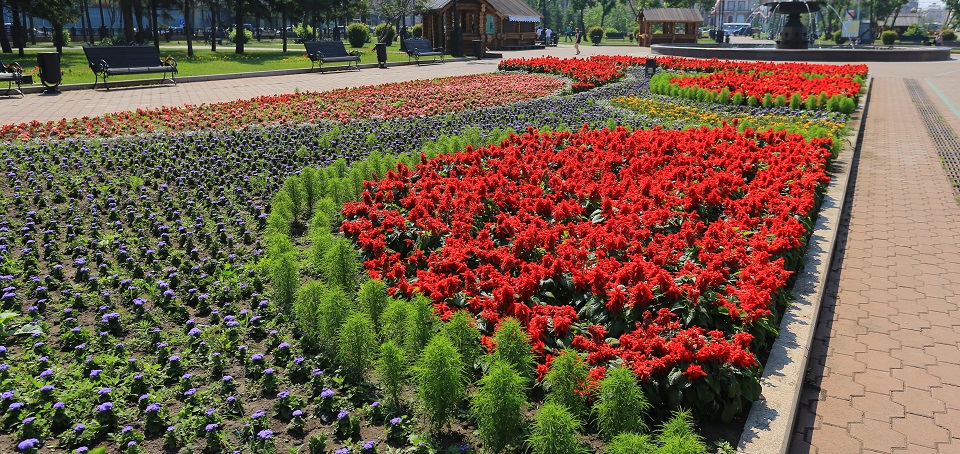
(213, 27)
(18, 28)
(58, 32)
(4, 39)
(240, 36)
(103, 24)
(154, 25)
(126, 11)
(283, 30)
(138, 14)
(188, 26)
(86, 6)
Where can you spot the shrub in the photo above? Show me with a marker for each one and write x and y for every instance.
(607, 31)
(463, 333)
(391, 371)
(677, 436)
(439, 378)
(556, 431)
(385, 33)
(631, 443)
(358, 34)
(497, 406)
(566, 380)
(306, 309)
(838, 37)
(285, 275)
(335, 308)
(596, 34)
(394, 322)
(247, 36)
(341, 264)
(888, 37)
(303, 31)
(417, 31)
(948, 35)
(357, 344)
(373, 300)
(293, 187)
(513, 347)
(419, 326)
(621, 406)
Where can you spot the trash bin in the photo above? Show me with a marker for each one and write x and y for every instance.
(478, 48)
(650, 67)
(49, 64)
(382, 54)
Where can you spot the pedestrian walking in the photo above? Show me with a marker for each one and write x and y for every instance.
(546, 35)
(578, 35)
(569, 34)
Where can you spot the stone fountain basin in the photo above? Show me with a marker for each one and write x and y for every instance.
(838, 54)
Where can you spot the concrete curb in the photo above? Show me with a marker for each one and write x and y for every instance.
(38, 88)
(769, 425)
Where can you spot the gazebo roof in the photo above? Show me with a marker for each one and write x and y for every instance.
(514, 10)
(670, 15)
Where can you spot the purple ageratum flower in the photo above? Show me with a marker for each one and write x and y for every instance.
(265, 434)
(28, 420)
(343, 414)
(283, 394)
(395, 421)
(256, 357)
(298, 360)
(297, 413)
(105, 407)
(104, 391)
(327, 393)
(95, 372)
(190, 392)
(186, 376)
(152, 408)
(79, 427)
(47, 388)
(7, 395)
(16, 405)
(342, 451)
(132, 443)
(82, 449)
(283, 346)
(59, 405)
(231, 399)
(317, 372)
(227, 378)
(368, 445)
(174, 358)
(210, 411)
(143, 397)
(269, 371)
(30, 443)
(126, 429)
(375, 404)
(212, 427)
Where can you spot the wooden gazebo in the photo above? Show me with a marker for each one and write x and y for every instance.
(500, 24)
(668, 25)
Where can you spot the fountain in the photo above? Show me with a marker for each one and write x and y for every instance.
(793, 34)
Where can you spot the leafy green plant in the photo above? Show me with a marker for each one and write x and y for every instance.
(497, 406)
(385, 33)
(566, 382)
(306, 309)
(677, 435)
(888, 37)
(358, 34)
(417, 31)
(596, 34)
(621, 406)
(439, 378)
(285, 275)
(373, 300)
(335, 308)
(556, 430)
(394, 322)
(461, 329)
(631, 443)
(341, 264)
(356, 348)
(513, 347)
(391, 372)
(419, 326)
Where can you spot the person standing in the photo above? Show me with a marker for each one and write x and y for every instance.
(577, 36)
(546, 35)
(569, 33)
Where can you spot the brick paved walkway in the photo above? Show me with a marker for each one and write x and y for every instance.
(885, 369)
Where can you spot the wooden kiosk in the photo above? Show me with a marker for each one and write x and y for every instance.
(668, 25)
(499, 24)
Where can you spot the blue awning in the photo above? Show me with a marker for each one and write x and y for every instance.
(524, 18)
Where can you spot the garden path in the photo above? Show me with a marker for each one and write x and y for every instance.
(884, 371)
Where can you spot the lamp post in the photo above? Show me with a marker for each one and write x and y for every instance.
(457, 48)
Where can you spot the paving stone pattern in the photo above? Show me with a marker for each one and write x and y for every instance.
(884, 372)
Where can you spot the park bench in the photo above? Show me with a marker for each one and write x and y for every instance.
(616, 35)
(421, 47)
(12, 74)
(330, 52)
(118, 60)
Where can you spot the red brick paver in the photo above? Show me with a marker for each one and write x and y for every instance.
(890, 317)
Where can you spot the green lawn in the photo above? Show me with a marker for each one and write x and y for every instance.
(259, 56)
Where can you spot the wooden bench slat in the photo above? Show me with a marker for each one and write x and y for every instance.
(421, 47)
(329, 52)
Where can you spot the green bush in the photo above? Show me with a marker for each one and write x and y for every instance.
(677, 436)
(461, 329)
(335, 308)
(513, 347)
(417, 31)
(631, 443)
(358, 34)
(373, 300)
(497, 406)
(303, 31)
(888, 37)
(391, 371)
(566, 380)
(419, 326)
(596, 34)
(556, 430)
(356, 350)
(439, 378)
(285, 275)
(621, 406)
(394, 322)
(948, 35)
(247, 36)
(838, 37)
(385, 33)
(306, 309)
(341, 264)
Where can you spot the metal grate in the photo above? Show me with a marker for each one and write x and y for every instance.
(946, 141)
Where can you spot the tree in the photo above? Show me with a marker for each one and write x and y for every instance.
(579, 6)
(4, 39)
(394, 10)
(58, 13)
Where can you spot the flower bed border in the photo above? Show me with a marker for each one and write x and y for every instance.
(770, 423)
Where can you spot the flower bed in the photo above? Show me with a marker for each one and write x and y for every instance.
(669, 243)
(405, 99)
(587, 73)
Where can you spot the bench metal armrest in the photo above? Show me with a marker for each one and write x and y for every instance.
(355, 53)
(15, 68)
(170, 61)
(100, 66)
